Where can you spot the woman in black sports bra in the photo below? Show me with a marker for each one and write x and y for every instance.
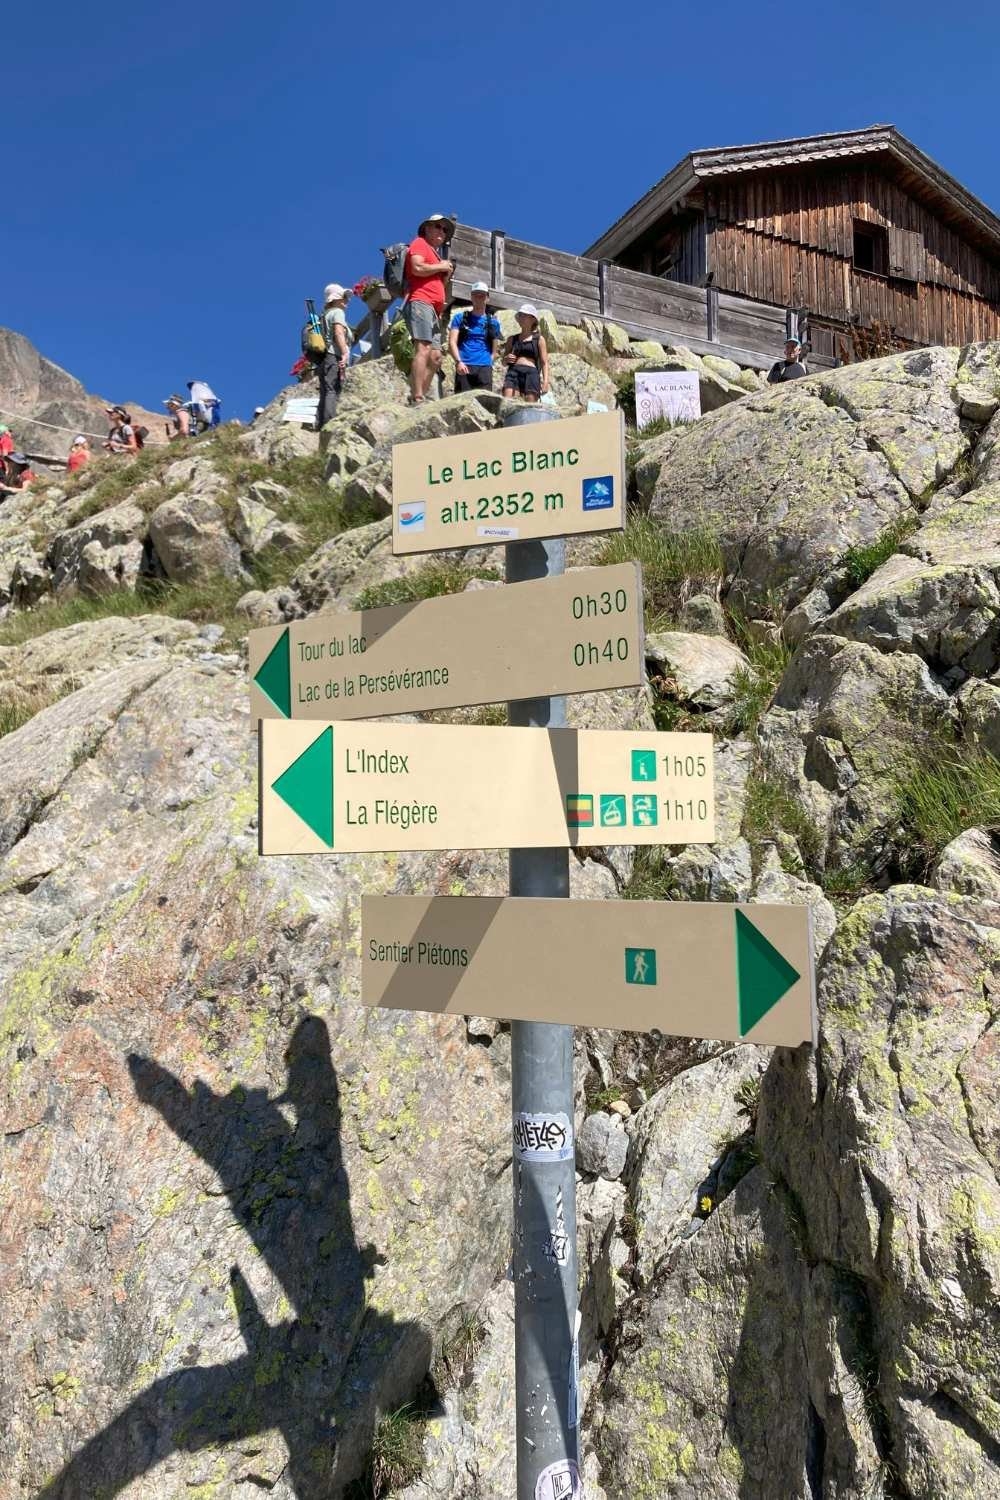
(527, 358)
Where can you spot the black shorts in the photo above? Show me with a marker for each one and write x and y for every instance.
(478, 378)
(525, 379)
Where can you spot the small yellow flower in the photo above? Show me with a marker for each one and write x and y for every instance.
(705, 1205)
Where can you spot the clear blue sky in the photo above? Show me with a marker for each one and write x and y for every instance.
(177, 179)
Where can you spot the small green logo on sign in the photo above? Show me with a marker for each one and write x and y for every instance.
(643, 765)
(613, 810)
(644, 810)
(640, 965)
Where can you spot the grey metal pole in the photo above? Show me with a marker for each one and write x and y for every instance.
(544, 1262)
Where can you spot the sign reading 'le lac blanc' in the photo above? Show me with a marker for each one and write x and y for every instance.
(361, 786)
(578, 633)
(511, 485)
(686, 968)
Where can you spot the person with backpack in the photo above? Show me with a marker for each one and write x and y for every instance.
(471, 337)
(526, 356)
(122, 437)
(425, 279)
(337, 340)
(204, 405)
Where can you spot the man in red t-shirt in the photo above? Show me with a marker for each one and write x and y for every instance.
(426, 276)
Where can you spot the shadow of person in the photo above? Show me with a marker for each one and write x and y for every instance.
(288, 1188)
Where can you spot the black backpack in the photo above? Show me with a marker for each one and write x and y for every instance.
(394, 267)
(465, 329)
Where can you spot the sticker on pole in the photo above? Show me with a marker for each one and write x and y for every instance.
(559, 1481)
(543, 1138)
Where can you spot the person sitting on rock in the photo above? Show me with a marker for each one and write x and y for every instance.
(16, 474)
(471, 337)
(426, 277)
(121, 438)
(792, 367)
(179, 425)
(526, 356)
(79, 453)
(337, 337)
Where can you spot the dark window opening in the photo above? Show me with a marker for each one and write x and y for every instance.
(871, 248)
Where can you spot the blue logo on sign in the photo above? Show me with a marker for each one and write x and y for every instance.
(599, 494)
(413, 516)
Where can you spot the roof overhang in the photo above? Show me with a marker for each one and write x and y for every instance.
(925, 179)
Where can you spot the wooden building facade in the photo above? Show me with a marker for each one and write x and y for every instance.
(854, 229)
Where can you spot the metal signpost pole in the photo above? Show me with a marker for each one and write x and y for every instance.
(544, 1166)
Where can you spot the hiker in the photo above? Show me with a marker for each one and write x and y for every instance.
(79, 453)
(337, 338)
(792, 367)
(425, 279)
(6, 441)
(470, 342)
(204, 405)
(121, 438)
(526, 356)
(179, 425)
(16, 474)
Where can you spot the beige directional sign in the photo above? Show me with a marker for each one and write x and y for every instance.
(509, 485)
(357, 785)
(574, 634)
(741, 973)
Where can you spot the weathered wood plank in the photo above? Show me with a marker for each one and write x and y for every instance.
(533, 289)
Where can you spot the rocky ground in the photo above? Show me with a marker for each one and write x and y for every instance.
(254, 1237)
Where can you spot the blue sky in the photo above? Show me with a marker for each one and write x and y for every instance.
(179, 179)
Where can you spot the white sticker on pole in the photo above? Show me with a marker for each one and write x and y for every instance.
(543, 1137)
(573, 1388)
(559, 1481)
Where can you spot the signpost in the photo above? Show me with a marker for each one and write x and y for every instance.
(349, 787)
(697, 969)
(328, 784)
(579, 633)
(514, 484)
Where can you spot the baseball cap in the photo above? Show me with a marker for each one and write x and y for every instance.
(19, 458)
(80, 438)
(333, 292)
(529, 309)
(793, 340)
(479, 286)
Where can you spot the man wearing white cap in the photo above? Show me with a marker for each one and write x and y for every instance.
(338, 347)
(471, 337)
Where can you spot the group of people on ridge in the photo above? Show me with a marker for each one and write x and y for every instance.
(472, 332)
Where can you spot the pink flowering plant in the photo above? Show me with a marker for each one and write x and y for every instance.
(366, 286)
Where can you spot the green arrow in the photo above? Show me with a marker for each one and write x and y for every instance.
(762, 974)
(307, 786)
(274, 677)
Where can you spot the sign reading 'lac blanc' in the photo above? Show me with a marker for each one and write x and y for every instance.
(510, 485)
(674, 394)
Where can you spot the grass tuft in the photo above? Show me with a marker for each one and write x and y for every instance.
(861, 562)
(17, 707)
(428, 582)
(940, 801)
(754, 686)
(397, 1454)
(675, 565)
(210, 602)
(770, 809)
(651, 879)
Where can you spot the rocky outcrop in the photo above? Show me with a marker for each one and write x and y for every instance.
(245, 1216)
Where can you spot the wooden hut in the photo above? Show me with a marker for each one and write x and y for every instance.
(858, 229)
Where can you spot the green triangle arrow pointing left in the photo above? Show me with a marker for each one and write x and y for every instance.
(307, 786)
(762, 974)
(274, 676)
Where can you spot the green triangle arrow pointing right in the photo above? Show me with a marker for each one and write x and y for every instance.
(274, 676)
(762, 974)
(307, 786)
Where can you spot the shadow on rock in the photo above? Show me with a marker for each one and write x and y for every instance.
(289, 1190)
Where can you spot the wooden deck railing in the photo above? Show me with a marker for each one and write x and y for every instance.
(704, 319)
